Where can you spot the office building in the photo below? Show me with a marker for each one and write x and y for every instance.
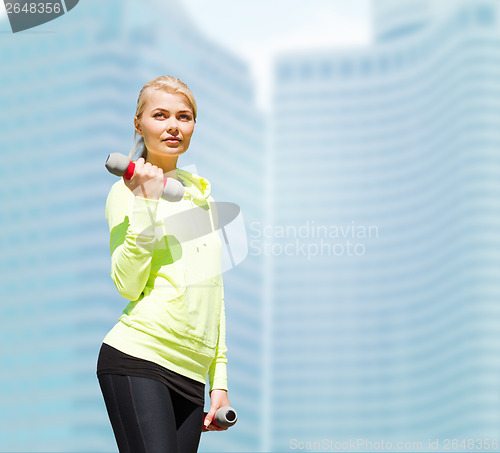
(69, 92)
(384, 251)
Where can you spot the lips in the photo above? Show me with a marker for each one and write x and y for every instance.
(172, 140)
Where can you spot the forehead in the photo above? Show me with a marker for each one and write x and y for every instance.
(162, 99)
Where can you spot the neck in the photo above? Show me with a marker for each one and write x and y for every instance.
(167, 163)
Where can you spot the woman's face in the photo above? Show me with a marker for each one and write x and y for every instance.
(166, 124)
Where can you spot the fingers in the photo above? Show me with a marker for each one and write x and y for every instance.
(139, 164)
(208, 418)
(214, 427)
(147, 180)
(146, 170)
(209, 424)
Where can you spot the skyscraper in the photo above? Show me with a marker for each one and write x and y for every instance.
(384, 246)
(69, 90)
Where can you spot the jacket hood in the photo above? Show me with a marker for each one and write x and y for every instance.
(195, 186)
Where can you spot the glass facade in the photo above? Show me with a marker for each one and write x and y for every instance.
(384, 247)
(69, 91)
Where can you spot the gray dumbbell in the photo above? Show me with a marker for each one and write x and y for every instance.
(121, 165)
(225, 417)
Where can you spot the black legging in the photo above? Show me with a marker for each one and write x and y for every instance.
(148, 417)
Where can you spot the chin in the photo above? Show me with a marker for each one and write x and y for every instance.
(169, 152)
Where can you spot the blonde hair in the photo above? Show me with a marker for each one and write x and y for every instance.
(169, 84)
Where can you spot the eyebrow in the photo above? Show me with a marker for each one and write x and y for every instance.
(166, 110)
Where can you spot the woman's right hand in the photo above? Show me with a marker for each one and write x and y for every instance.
(147, 180)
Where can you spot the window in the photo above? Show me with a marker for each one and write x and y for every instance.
(326, 70)
(284, 73)
(346, 68)
(485, 15)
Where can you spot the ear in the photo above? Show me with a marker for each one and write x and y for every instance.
(138, 126)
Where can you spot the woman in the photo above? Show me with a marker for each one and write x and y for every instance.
(153, 364)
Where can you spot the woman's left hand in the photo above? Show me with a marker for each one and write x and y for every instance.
(218, 398)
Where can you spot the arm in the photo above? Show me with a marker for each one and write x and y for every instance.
(132, 221)
(218, 376)
(217, 372)
(131, 224)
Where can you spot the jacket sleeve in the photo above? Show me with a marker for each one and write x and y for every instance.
(131, 222)
(217, 373)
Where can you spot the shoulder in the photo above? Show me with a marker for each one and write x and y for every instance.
(119, 190)
(118, 199)
(196, 186)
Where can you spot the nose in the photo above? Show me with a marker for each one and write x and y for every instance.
(172, 125)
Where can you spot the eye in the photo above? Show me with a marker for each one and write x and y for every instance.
(185, 117)
(157, 115)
